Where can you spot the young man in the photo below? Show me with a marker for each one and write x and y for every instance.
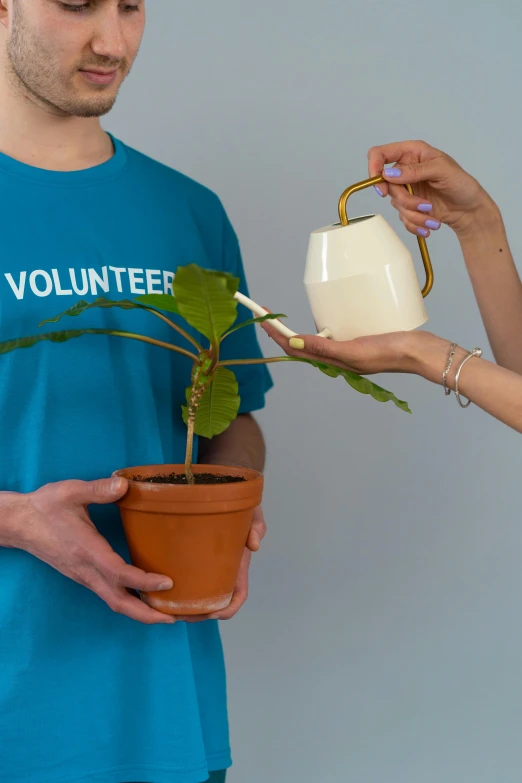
(94, 684)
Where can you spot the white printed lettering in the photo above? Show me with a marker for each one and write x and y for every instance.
(48, 282)
(20, 288)
(42, 283)
(135, 277)
(168, 277)
(151, 283)
(85, 284)
(96, 280)
(118, 271)
(57, 286)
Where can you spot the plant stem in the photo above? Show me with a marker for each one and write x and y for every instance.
(193, 405)
(190, 445)
(178, 329)
(271, 360)
(153, 341)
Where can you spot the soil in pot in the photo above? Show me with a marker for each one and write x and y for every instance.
(180, 478)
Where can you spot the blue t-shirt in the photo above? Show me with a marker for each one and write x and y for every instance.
(86, 694)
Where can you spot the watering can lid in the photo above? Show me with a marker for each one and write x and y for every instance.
(353, 222)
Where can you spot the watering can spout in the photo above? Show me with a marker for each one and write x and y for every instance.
(276, 323)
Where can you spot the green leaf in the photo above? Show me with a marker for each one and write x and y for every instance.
(362, 385)
(219, 405)
(160, 302)
(269, 317)
(54, 337)
(206, 300)
(81, 306)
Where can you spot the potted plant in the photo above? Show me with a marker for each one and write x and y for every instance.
(191, 522)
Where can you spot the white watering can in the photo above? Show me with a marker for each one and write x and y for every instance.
(360, 278)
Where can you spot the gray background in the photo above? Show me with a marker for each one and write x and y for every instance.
(383, 638)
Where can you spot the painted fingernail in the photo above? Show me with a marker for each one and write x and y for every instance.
(297, 343)
(422, 232)
(425, 207)
(433, 224)
(166, 585)
(393, 172)
(379, 191)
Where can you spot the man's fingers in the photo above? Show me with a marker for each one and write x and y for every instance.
(122, 602)
(192, 619)
(87, 493)
(254, 540)
(239, 598)
(257, 531)
(129, 576)
(119, 573)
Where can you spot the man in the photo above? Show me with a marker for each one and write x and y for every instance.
(95, 685)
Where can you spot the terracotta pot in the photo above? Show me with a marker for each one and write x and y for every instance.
(196, 535)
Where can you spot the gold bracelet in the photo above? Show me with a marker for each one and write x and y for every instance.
(476, 352)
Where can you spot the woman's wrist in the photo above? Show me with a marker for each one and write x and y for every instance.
(483, 223)
(427, 355)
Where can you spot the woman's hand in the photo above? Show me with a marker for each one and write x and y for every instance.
(444, 192)
(418, 353)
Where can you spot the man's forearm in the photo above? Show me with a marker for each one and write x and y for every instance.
(11, 513)
(497, 286)
(242, 445)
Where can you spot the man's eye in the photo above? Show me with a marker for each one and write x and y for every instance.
(75, 8)
(126, 7)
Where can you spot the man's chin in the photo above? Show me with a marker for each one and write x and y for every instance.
(89, 108)
(90, 101)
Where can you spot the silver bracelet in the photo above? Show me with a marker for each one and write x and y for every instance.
(476, 352)
(453, 350)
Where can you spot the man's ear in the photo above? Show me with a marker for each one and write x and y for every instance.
(4, 12)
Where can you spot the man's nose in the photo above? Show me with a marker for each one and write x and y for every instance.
(108, 40)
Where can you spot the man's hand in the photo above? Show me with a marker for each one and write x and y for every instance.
(53, 525)
(257, 533)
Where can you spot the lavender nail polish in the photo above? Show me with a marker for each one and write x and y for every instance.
(379, 191)
(433, 224)
(422, 232)
(425, 207)
(393, 172)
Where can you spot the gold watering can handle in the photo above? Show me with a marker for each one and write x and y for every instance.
(422, 242)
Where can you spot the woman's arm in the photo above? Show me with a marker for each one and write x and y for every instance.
(497, 287)
(494, 389)
(445, 193)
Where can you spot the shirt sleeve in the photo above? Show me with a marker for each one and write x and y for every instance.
(254, 380)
